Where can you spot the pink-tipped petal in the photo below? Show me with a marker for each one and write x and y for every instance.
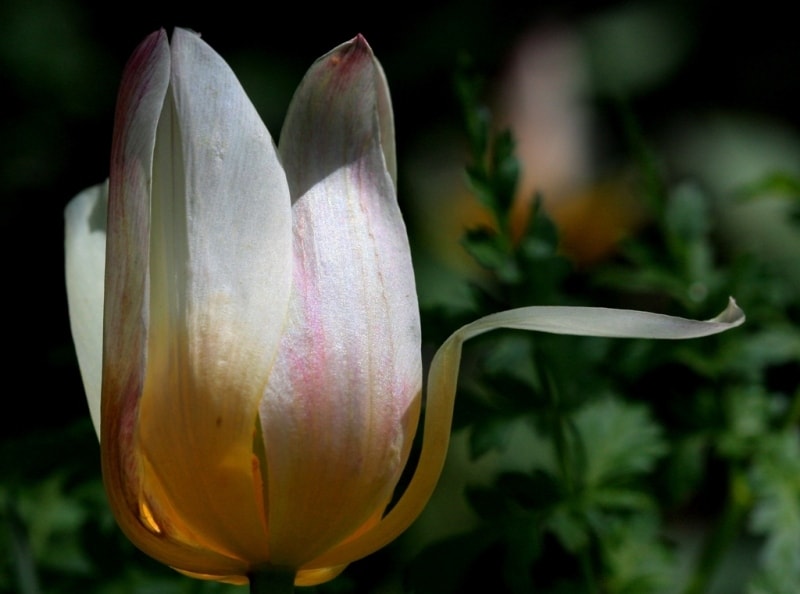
(343, 401)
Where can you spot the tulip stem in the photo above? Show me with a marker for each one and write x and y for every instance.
(272, 580)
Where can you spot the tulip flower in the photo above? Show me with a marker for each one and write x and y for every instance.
(246, 321)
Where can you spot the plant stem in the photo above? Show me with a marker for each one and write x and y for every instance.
(272, 580)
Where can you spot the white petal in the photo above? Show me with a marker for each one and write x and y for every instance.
(85, 248)
(600, 321)
(220, 276)
(135, 503)
(126, 316)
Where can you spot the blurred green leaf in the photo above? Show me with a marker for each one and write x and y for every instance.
(776, 515)
(779, 183)
(638, 560)
(621, 441)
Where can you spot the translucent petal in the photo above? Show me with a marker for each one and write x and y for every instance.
(343, 401)
(125, 332)
(600, 321)
(197, 287)
(220, 274)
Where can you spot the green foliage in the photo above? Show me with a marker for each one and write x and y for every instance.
(627, 440)
(775, 475)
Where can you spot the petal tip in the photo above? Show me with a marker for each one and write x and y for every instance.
(360, 42)
(179, 32)
(350, 54)
(733, 314)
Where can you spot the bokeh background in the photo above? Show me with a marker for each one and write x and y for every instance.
(703, 93)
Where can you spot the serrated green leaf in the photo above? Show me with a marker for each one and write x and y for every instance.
(541, 237)
(571, 530)
(481, 187)
(621, 440)
(777, 344)
(747, 411)
(484, 245)
(506, 170)
(776, 515)
(477, 118)
(53, 520)
(513, 356)
(638, 561)
(491, 252)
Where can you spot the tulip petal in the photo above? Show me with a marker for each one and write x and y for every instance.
(85, 254)
(220, 277)
(312, 577)
(200, 241)
(124, 343)
(385, 119)
(343, 401)
(347, 78)
(443, 376)
(141, 96)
